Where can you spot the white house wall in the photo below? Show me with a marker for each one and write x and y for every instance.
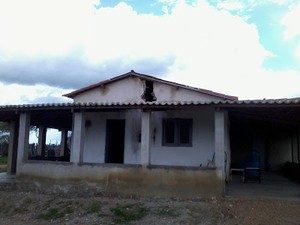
(131, 90)
(202, 148)
(164, 92)
(198, 154)
(95, 136)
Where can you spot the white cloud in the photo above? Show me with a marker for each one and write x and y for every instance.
(14, 94)
(43, 27)
(297, 52)
(291, 22)
(231, 5)
(71, 44)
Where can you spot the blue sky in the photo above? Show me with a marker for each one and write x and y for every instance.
(246, 48)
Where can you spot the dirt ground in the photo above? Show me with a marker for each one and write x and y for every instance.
(19, 207)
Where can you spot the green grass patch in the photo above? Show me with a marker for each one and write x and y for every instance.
(166, 212)
(124, 213)
(20, 210)
(68, 210)
(62, 209)
(5, 208)
(51, 214)
(95, 207)
(3, 160)
(3, 163)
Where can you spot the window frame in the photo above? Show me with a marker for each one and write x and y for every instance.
(177, 122)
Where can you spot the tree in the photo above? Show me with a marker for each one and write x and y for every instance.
(4, 127)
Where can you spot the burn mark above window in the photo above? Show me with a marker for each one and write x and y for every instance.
(148, 94)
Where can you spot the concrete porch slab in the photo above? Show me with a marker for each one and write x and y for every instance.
(273, 186)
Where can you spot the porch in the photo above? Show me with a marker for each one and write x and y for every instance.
(273, 186)
(152, 161)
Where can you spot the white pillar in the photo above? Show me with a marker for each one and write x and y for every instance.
(12, 148)
(42, 141)
(220, 141)
(145, 138)
(23, 137)
(77, 137)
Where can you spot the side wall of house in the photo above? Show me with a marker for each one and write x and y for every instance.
(198, 154)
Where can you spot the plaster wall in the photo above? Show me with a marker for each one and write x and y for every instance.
(126, 90)
(154, 182)
(202, 148)
(95, 136)
(279, 150)
(131, 90)
(273, 143)
(198, 154)
(164, 92)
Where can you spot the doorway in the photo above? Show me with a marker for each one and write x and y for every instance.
(115, 133)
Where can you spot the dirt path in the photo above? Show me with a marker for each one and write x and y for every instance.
(19, 207)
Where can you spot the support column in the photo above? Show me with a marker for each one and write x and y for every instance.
(63, 142)
(12, 148)
(220, 142)
(23, 137)
(145, 138)
(42, 141)
(78, 137)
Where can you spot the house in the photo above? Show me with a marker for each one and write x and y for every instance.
(137, 134)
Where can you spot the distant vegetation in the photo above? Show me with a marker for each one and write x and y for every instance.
(4, 135)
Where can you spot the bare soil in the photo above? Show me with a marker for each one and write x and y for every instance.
(18, 207)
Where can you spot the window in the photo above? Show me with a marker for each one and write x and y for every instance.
(177, 132)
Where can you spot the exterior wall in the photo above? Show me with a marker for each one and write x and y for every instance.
(202, 148)
(198, 154)
(279, 150)
(153, 182)
(95, 136)
(164, 92)
(131, 89)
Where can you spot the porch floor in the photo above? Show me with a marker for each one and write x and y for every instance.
(272, 186)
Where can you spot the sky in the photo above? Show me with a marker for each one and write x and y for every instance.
(245, 48)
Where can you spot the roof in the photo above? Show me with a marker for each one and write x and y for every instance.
(220, 103)
(60, 114)
(149, 78)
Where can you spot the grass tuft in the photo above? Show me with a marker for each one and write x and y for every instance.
(166, 212)
(3, 160)
(51, 214)
(94, 208)
(125, 213)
